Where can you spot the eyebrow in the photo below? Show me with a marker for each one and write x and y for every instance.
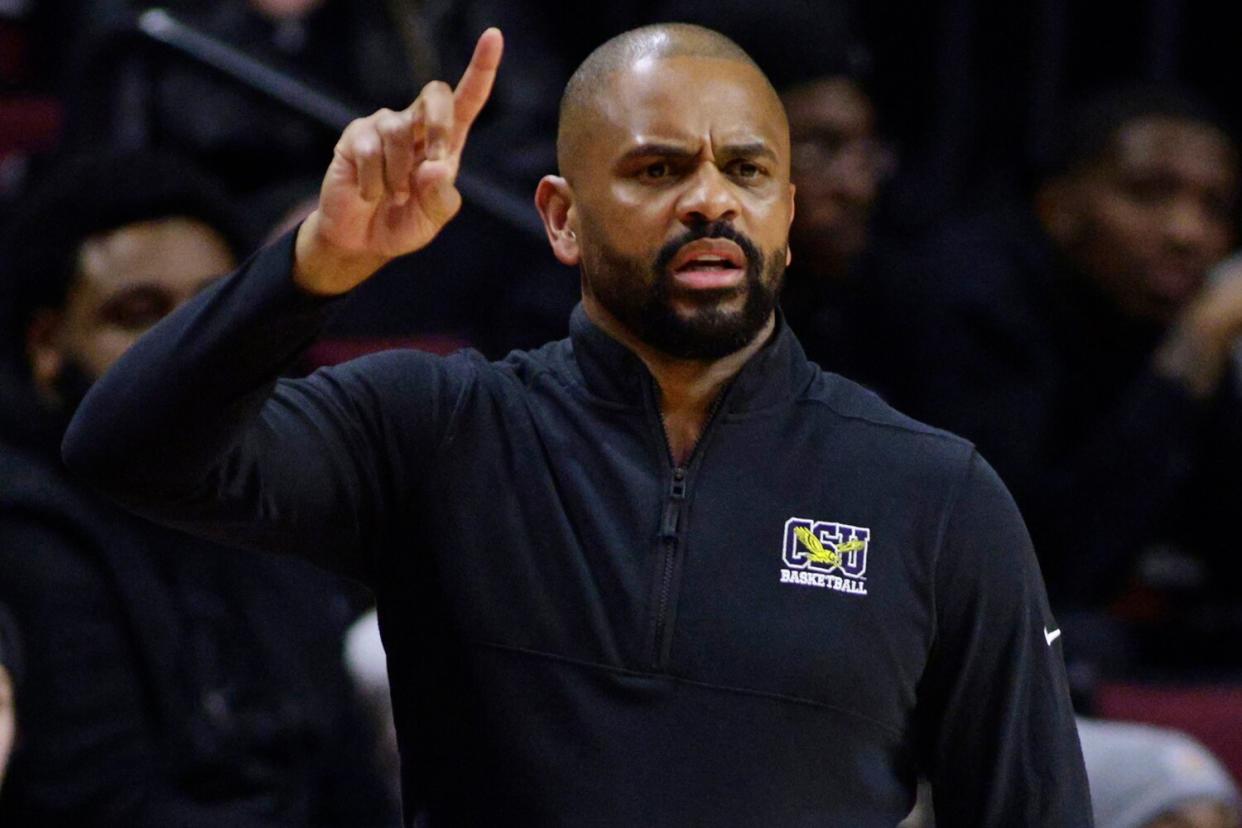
(657, 150)
(754, 149)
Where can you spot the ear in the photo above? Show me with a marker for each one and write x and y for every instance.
(554, 199)
(788, 227)
(1056, 204)
(43, 351)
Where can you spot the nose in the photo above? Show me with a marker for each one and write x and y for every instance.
(853, 180)
(709, 196)
(1189, 224)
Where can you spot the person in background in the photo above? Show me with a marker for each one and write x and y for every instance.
(1142, 776)
(1149, 777)
(159, 686)
(835, 297)
(10, 678)
(1078, 342)
(367, 662)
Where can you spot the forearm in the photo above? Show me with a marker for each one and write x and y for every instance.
(184, 393)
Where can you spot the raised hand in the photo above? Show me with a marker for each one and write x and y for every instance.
(1200, 344)
(390, 187)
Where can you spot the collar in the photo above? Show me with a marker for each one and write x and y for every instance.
(612, 372)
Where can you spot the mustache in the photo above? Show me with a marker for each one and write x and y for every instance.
(710, 230)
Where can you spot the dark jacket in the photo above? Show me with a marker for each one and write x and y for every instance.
(170, 681)
(1108, 460)
(825, 599)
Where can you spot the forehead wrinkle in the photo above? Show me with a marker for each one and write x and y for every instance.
(639, 50)
(761, 130)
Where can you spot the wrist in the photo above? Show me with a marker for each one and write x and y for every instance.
(325, 269)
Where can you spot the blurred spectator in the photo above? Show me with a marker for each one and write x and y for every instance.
(1141, 777)
(10, 678)
(840, 163)
(836, 296)
(367, 662)
(1148, 777)
(168, 681)
(1078, 342)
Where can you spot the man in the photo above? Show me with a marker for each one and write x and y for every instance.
(664, 572)
(838, 297)
(840, 163)
(157, 690)
(1083, 346)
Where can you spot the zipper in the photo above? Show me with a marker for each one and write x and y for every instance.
(670, 522)
(668, 537)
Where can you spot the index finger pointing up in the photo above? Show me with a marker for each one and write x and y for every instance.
(476, 82)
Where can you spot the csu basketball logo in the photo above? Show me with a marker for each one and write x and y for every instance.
(825, 554)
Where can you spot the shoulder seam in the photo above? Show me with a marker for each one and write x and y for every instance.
(926, 430)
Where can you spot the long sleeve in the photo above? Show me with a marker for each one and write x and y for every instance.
(997, 728)
(193, 428)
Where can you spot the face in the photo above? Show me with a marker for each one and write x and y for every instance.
(8, 723)
(681, 205)
(838, 165)
(1147, 222)
(128, 279)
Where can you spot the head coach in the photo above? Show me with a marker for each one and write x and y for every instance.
(663, 572)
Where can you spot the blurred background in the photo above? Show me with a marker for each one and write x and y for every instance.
(1017, 222)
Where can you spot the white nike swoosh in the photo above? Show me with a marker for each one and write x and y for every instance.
(1051, 636)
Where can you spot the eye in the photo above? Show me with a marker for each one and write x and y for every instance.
(1149, 190)
(747, 169)
(136, 310)
(656, 170)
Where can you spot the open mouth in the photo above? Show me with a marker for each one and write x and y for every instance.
(709, 264)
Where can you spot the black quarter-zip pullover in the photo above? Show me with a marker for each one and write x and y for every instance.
(826, 599)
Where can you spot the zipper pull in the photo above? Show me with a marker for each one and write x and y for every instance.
(672, 510)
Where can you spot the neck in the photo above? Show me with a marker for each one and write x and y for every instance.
(688, 387)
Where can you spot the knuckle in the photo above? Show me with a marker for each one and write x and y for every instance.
(367, 147)
(377, 119)
(436, 87)
(349, 134)
(390, 126)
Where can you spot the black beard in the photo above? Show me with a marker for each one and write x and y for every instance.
(638, 296)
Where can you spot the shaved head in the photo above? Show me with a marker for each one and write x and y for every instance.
(580, 102)
(673, 197)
